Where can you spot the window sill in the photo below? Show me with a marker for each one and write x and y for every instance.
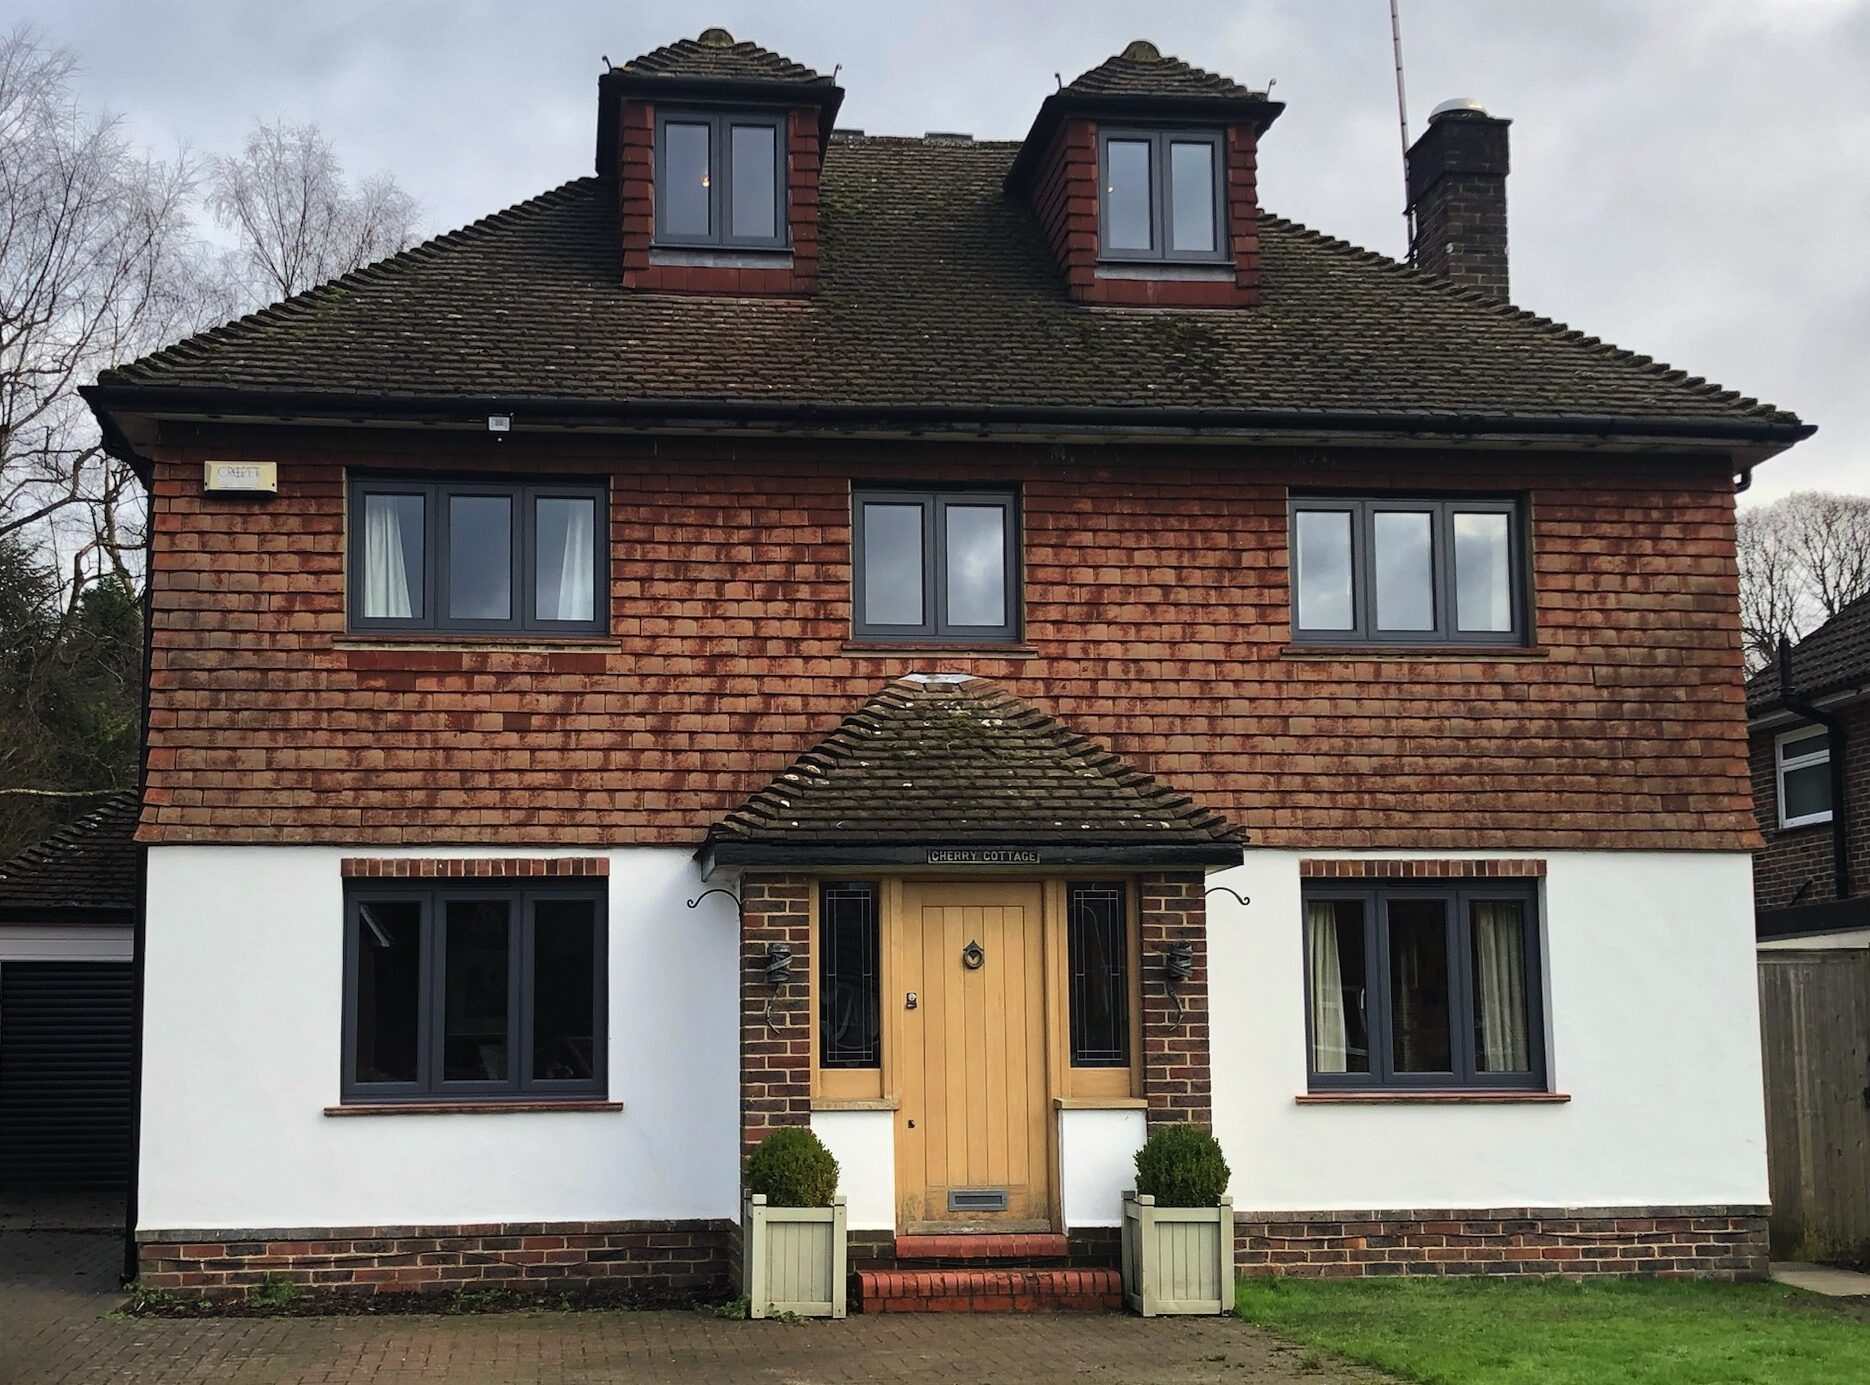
(721, 256)
(1490, 652)
(480, 639)
(1099, 1103)
(856, 1103)
(469, 1108)
(985, 651)
(1431, 1097)
(1219, 271)
(1800, 824)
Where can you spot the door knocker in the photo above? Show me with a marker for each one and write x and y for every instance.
(972, 956)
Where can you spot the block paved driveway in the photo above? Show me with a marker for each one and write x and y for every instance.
(56, 1289)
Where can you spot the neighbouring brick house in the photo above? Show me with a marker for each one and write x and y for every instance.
(1809, 718)
(802, 627)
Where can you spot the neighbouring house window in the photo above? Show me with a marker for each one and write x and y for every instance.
(935, 565)
(1803, 769)
(1423, 987)
(1097, 945)
(720, 179)
(1160, 196)
(467, 992)
(471, 555)
(1408, 571)
(849, 981)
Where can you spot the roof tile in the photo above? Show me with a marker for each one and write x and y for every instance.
(90, 865)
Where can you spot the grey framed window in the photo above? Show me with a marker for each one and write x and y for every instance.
(1160, 196)
(1802, 770)
(1395, 570)
(471, 555)
(464, 991)
(935, 564)
(850, 1033)
(1424, 986)
(720, 179)
(1097, 947)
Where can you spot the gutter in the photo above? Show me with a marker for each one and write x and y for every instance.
(1838, 742)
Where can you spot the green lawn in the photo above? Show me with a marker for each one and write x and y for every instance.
(1547, 1332)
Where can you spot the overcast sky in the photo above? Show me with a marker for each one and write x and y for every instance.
(1691, 178)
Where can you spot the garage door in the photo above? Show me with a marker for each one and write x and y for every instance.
(65, 1063)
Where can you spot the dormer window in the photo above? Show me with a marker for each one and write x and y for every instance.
(720, 179)
(1160, 196)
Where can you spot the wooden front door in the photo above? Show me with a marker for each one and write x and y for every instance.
(972, 1143)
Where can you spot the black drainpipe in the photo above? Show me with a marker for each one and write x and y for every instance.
(139, 928)
(1837, 741)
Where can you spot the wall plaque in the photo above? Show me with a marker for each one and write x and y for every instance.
(983, 856)
(250, 477)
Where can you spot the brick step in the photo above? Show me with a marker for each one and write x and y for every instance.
(983, 1245)
(1001, 1290)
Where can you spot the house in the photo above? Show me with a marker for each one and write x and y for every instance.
(67, 1035)
(976, 647)
(1808, 715)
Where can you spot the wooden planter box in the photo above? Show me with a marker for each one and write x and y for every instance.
(792, 1259)
(1177, 1259)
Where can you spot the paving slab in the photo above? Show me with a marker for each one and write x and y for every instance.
(1829, 1280)
(57, 1290)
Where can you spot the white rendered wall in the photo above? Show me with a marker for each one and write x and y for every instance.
(63, 942)
(243, 1007)
(1653, 1030)
(1097, 1164)
(864, 1144)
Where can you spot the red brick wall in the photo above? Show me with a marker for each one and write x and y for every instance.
(1156, 610)
(1178, 1081)
(1064, 197)
(636, 209)
(1792, 856)
(775, 1023)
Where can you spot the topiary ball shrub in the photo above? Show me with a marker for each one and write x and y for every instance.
(1181, 1166)
(793, 1168)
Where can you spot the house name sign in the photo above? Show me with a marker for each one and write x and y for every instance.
(248, 477)
(982, 856)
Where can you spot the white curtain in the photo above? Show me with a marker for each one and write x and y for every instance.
(1329, 1043)
(576, 573)
(1500, 986)
(386, 580)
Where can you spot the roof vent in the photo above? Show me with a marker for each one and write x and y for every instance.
(1143, 51)
(948, 137)
(1460, 105)
(847, 131)
(715, 38)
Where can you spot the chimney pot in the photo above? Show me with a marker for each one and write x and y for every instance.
(1457, 194)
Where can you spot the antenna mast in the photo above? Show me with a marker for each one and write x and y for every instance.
(1402, 121)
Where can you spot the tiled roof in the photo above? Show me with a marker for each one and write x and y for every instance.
(935, 760)
(717, 54)
(1141, 70)
(89, 866)
(937, 290)
(1834, 656)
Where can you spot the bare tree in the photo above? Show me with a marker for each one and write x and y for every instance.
(98, 263)
(297, 220)
(1802, 559)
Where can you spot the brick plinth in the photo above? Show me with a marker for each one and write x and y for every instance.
(775, 1022)
(988, 1291)
(1703, 1242)
(1177, 1080)
(651, 1261)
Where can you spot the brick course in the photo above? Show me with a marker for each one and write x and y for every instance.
(1704, 1242)
(470, 868)
(1798, 861)
(1396, 868)
(652, 1260)
(728, 652)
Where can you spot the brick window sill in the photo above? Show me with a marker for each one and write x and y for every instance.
(873, 648)
(1493, 653)
(442, 639)
(1428, 1097)
(466, 1108)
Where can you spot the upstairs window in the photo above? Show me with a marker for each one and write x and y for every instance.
(935, 565)
(1160, 196)
(1397, 571)
(720, 180)
(1802, 761)
(469, 555)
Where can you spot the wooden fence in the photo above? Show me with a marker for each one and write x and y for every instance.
(1815, 1032)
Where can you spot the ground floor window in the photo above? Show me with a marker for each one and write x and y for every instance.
(850, 1031)
(1098, 953)
(471, 991)
(1415, 986)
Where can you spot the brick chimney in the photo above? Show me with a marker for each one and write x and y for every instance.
(1457, 192)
